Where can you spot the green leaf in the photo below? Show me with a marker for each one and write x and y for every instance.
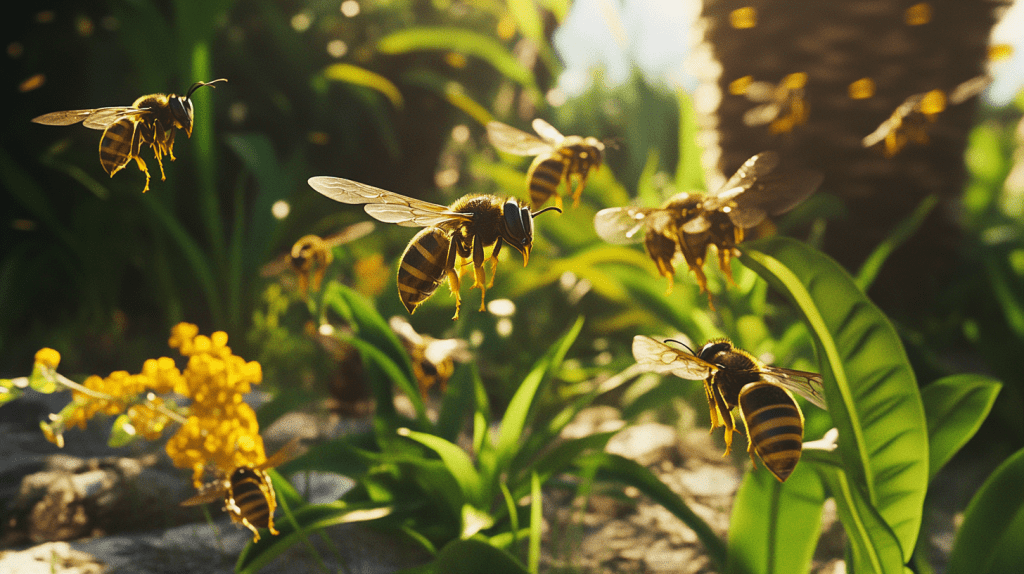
(457, 462)
(350, 74)
(870, 388)
(122, 432)
(991, 538)
(514, 423)
(872, 543)
(463, 41)
(474, 556)
(10, 389)
(775, 525)
(955, 407)
(536, 521)
(457, 402)
(615, 467)
(311, 517)
(344, 456)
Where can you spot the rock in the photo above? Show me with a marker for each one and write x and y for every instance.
(49, 558)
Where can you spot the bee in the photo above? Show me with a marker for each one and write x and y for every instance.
(151, 119)
(451, 236)
(558, 157)
(311, 255)
(733, 377)
(433, 360)
(782, 106)
(910, 121)
(689, 222)
(248, 493)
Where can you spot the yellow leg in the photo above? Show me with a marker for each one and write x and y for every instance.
(454, 284)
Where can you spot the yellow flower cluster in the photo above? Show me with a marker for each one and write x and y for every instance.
(222, 429)
(218, 428)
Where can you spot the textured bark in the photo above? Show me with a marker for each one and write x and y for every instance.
(836, 43)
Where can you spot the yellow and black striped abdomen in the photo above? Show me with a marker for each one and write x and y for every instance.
(775, 426)
(250, 493)
(423, 266)
(119, 144)
(546, 172)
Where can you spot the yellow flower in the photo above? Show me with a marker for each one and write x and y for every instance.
(48, 357)
(182, 335)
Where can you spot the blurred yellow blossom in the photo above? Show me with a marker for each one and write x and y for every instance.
(48, 358)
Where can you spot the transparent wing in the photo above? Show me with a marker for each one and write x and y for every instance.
(760, 91)
(967, 90)
(349, 234)
(96, 118)
(548, 132)
(762, 114)
(807, 385)
(621, 225)
(754, 168)
(286, 453)
(386, 206)
(655, 356)
(511, 140)
(773, 194)
(893, 121)
(211, 492)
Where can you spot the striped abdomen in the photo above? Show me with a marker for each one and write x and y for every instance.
(775, 426)
(119, 144)
(250, 492)
(423, 266)
(546, 172)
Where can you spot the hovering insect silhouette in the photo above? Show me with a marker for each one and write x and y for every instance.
(311, 255)
(248, 493)
(689, 222)
(911, 120)
(453, 234)
(735, 378)
(151, 120)
(559, 157)
(781, 106)
(433, 360)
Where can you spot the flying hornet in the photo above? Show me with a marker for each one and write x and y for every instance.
(689, 222)
(311, 255)
(910, 122)
(781, 106)
(248, 493)
(733, 377)
(558, 157)
(151, 119)
(451, 236)
(433, 360)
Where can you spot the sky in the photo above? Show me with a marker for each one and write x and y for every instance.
(656, 35)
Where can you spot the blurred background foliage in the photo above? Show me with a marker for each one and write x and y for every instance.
(395, 94)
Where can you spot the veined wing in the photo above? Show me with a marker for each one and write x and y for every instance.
(95, 118)
(349, 234)
(622, 225)
(210, 492)
(753, 169)
(658, 357)
(383, 205)
(511, 140)
(286, 453)
(807, 385)
(773, 194)
(547, 132)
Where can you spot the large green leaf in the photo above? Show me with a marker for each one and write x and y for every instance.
(621, 469)
(872, 543)
(991, 539)
(458, 463)
(775, 525)
(870, 388)
(955, 407)
(514, 423)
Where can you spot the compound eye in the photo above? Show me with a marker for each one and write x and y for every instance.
(514, 220)
(181, 109)
(527, 224)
